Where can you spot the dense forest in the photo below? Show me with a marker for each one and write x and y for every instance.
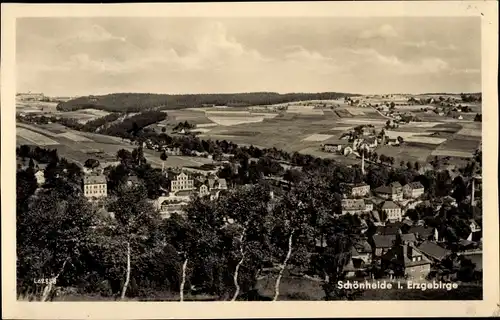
(133, 102)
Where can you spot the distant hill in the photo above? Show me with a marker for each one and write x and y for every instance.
(133, 102)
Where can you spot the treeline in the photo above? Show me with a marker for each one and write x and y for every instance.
(475, 97)
(135, 102)
(131, 126)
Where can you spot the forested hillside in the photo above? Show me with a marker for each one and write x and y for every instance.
(133, 102)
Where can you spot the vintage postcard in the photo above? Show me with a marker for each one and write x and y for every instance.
(226, 160)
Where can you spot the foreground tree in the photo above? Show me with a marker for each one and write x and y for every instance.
(247, 212)
(135, 224)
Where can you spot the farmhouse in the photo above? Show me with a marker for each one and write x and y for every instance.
(357, 190)
(413, 190)
(393, 191)
(182, 183)
(95, 186)
(391, 211)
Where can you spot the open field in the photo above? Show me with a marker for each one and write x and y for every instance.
(105, 147)
(35, 137)
(302, 128)
(318, 137)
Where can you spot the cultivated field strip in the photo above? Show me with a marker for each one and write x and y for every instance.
(35, 138)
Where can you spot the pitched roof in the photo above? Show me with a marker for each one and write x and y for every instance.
(363, 247)
(94, 179)
(433, 250)
(395, 184)
(408, 237)
(384, 189)
(415, 185)
(389, 205)
(353, 204)
(403, 254)
(421, 231)
(384, 241)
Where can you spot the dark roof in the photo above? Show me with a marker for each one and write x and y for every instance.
(363, 247)
(94, 179)
(389, 229)
(384, 241)
(384, 189)
(389, 205)
(433, 250)
(335, 142)
(395, 185)
(421, 231)
(408, 237)
(403, 254)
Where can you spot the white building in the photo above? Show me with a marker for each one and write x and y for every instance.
(181, 183)
(95, 186)
(40, 178)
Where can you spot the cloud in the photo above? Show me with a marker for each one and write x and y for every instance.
(430, 44)
(210, 56)
(385, 31)
(95, 33)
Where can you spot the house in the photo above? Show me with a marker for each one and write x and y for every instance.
(393, 191)
(433, 251)
(217, 184)
(406, 260)
(357, 190)
(392, 211)
(168, 207)
(363, 251)
(391, 228)
(475, 234)
(355, 265)
(372, 142)
(353, 206)
(40, 177)
(393, 142)
(369, 205)
(182, 183)
(172, 151)
(204, 191)
(382, 244)
(335, 145)
(95, 186)
(413, 190)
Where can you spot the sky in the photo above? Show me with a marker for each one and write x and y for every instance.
(368, 55)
